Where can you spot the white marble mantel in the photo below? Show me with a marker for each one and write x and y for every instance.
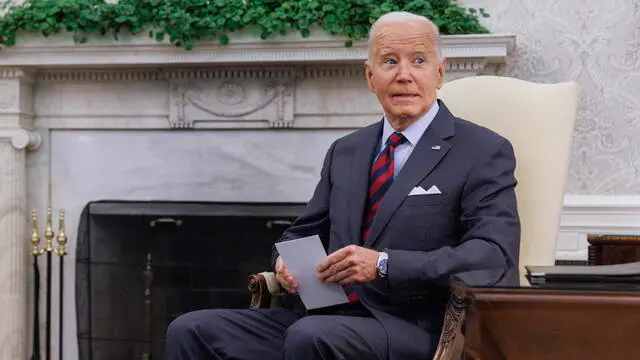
(136, 119)
(464, 52)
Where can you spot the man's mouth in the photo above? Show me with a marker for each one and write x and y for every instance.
(403, 96)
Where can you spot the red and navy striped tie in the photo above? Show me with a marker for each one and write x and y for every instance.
(380, 180)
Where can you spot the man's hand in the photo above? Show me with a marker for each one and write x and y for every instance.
(284, 277)
(349, 265)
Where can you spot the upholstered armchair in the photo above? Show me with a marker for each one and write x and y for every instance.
(538, 119)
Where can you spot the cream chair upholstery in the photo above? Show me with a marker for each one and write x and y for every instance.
(538, 120)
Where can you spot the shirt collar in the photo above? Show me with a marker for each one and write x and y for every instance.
(414, 132)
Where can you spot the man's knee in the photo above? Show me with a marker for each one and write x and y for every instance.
(308, 332)
(187, 325)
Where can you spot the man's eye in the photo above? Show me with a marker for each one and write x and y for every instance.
(390, 61)
(420, 61)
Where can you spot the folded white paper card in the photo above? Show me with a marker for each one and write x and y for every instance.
(301, 257)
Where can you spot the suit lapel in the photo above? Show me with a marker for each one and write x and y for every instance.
(423, 159)
(364, 151)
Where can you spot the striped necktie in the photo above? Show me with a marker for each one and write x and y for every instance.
(381, 178)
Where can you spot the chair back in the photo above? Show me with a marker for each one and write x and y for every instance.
(538, 119)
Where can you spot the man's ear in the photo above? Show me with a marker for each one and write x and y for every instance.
(441, 72)
(368, 72)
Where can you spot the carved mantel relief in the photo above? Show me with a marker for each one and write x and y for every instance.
(248, 98)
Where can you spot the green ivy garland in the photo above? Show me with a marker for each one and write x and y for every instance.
(185, 22)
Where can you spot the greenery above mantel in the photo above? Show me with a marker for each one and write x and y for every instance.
(185, 22)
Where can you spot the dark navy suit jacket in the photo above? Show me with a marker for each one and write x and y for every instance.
(472, 227)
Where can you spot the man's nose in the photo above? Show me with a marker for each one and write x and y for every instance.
(404, 72)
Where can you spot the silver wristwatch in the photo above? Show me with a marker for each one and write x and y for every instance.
(382, 264)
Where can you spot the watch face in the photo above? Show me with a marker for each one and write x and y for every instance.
(382, 267)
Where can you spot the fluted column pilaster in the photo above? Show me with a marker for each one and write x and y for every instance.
(16, 120)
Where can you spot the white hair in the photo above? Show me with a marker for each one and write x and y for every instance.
(403, 17)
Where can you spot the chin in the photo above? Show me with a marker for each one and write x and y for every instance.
(407, 115)
(404, 120)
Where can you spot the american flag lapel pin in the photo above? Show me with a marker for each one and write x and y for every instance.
(435, 147)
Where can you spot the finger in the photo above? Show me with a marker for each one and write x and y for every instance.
(283, 270)
(333, 258)
(288, 278)
(292, 281)
(279, 265)
(287, 287)
(351, 279)
(329, 273)
(341, 275)
(281, 277)
(288, 284)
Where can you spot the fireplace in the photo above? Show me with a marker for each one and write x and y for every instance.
(141, 264)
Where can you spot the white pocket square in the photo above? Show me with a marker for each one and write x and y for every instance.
(419, 190)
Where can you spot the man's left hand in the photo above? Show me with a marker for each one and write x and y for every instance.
(349, 265)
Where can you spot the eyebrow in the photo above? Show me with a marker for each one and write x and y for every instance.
(387, 52)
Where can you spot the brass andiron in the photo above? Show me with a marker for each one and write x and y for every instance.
(47, 250)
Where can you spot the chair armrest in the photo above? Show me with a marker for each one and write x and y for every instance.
(451, 343)
(263, 287)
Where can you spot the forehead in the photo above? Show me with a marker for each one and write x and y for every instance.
(400, 37)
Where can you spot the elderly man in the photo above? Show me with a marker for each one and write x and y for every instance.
(401, 206)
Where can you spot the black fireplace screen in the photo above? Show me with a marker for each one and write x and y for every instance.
(141, 264)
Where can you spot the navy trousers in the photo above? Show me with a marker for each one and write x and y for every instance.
(274, 334)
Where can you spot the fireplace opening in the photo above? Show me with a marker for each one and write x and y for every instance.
(141, 264)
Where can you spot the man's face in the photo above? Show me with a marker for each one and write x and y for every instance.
(404, 71)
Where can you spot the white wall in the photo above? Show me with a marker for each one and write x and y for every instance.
(586, 214)
(597, 44)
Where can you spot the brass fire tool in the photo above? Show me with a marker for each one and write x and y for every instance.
(47, 250)
(148, 282)
(61, 251)
(35, 242)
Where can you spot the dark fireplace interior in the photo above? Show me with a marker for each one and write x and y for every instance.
(141, 264)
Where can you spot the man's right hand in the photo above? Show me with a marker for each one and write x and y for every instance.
(284, 277)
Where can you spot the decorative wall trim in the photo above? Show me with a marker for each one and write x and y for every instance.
(317, 72)
(118, 75)
(237, 97)
(11, 73)
(69, 75)
(299, 72)
(467, 65)
(595, 214)
(302, 96)
(233, 73)
(58, 51)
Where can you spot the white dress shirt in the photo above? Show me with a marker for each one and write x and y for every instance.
(413, 134)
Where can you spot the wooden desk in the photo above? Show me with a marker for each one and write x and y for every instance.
(530, 323)
(613, 249)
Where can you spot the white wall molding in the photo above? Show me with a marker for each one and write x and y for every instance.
(461, 51)
(595, 214)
